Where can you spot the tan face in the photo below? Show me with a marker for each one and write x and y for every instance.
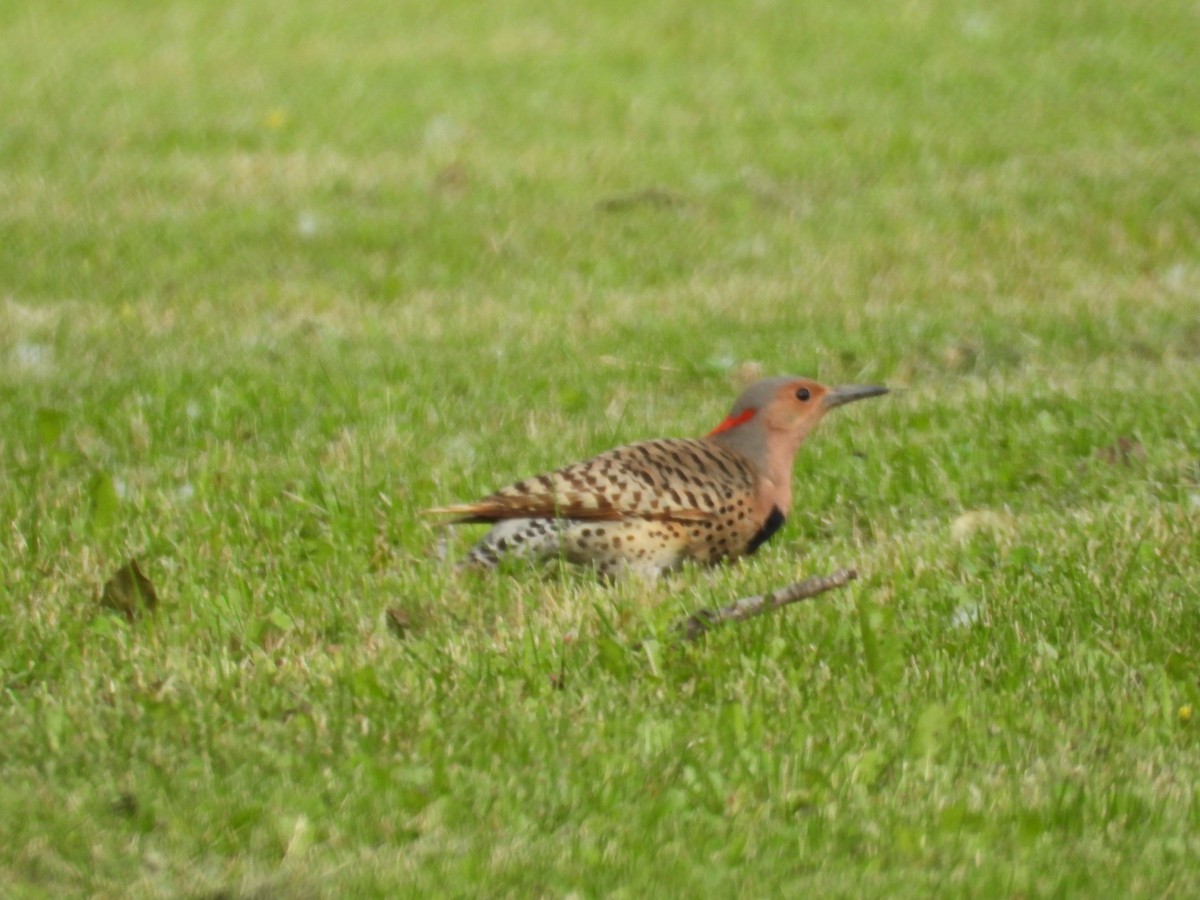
(797, 405)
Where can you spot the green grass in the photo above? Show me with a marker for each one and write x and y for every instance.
(273, 278)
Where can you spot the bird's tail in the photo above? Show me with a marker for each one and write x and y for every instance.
(535, 539)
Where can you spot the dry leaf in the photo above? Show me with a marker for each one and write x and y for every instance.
(129, 592)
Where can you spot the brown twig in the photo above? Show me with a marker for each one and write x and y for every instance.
(698, 623)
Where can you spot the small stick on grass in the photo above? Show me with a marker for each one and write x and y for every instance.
(748, 607)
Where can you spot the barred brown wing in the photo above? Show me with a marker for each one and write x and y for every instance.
(672, 480)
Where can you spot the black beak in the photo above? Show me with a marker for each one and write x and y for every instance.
(848, 393)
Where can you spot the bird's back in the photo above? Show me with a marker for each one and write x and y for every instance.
(643, 507)
(672, 480)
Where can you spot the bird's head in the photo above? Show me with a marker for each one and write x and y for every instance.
(773, 417)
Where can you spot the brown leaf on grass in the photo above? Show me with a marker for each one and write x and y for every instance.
(1123, 453)
(129, 592)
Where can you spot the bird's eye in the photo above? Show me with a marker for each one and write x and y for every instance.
(803, 394)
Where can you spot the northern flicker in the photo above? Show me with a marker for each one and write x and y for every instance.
(649, 507)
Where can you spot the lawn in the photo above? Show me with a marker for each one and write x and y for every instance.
(276, 277)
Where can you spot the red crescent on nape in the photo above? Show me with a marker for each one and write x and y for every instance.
(734, 421)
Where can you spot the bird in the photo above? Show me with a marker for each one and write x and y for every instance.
(649, 507)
